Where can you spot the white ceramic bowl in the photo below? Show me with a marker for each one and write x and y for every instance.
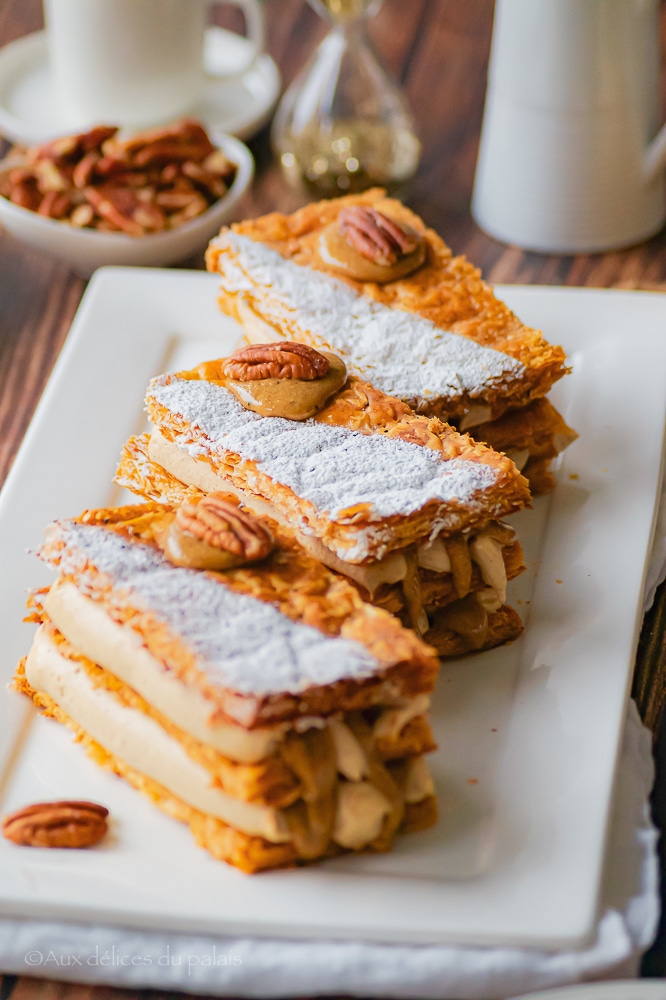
(86, 250)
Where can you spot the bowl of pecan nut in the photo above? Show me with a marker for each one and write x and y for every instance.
(101, 197)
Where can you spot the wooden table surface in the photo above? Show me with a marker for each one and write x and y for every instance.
(438, 49)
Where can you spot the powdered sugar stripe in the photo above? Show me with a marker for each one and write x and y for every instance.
(334, 468)
(399, 352)
(240, 642)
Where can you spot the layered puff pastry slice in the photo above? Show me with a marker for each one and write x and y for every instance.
(370, 489)
(465, 612)
(364, 277)
(262, 702)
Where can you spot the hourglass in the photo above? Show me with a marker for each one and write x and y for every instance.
(343, 125)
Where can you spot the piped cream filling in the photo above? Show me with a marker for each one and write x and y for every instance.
(119, 649)
(256, 329)
(433, 555)
(391, 722)
(488, 600)
(419, 784)
(475, 415)
(141, 742)
(519, 457)
(361, 812)
(350, 757)
(487, 554)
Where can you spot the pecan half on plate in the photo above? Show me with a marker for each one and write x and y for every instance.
(67, 823)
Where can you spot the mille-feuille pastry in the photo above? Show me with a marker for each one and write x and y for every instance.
(241, 686)
(371, 489)
(363, 276)
(457, 625)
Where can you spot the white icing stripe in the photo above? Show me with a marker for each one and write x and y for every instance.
(333, 468)
(399, 352)
(241, 643)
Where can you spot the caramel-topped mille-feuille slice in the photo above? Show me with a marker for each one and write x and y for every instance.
(371, 489)
(239, 684)
(471, 623)
(364, 277)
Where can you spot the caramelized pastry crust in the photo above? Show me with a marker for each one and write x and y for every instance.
(137, 473)
(446, 290)
(488, 483)
(304, 592)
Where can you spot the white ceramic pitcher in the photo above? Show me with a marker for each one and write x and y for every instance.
(571, 156)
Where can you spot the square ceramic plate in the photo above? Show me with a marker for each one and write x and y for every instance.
(528, 734)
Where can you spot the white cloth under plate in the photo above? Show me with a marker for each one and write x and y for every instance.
(260, 967)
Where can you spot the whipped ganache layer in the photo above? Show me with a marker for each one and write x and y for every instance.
(399, 352)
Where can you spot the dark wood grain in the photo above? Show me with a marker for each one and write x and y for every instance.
(438, 49)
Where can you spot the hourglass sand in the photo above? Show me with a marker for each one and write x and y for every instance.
(343, 124)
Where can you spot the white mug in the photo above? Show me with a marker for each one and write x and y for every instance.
(134, 62)
(570, 159)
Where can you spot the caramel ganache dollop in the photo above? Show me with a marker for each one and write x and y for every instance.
(286, 379)
(214, 534)
(367, 245)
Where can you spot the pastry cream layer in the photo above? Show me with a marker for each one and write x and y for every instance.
(87, 626)
(391, 569)
(118, 649)
(141, 743)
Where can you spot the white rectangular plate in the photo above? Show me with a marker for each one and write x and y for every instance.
(528, 734)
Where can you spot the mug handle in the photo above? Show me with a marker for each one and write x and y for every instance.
(254, 20)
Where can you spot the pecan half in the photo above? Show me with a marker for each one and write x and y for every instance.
(184, 140)
(124, 209)
(374, 235)
(221, 525)
(55, 205)
(24, 192)
(68, 147)
(57, 824)
(282, 360)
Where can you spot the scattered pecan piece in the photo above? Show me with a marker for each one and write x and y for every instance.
(57, 824)
(109, 166)
(175, 200)
(122, 208)
(84, 169)
(285, 359)
(197, 205)
(223, 526)
(50, 177)
(82, 216)
(55, 205)
(68, 147)
(185, 129)
(25, 193)
(170, 173)
(217, 163)
(205, 179)
(96, 137)
(374, 235)
(168, 151)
